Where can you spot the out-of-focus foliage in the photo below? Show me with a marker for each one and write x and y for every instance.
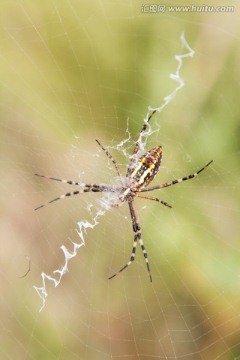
(71, 72)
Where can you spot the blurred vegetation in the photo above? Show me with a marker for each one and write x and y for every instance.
(71, 72)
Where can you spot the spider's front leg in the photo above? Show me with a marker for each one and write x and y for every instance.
(84, 189)
(137, 237)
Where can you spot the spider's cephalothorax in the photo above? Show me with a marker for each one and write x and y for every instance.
(139, 175)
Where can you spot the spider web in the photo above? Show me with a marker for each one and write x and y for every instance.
(108, 200)
(72, 73)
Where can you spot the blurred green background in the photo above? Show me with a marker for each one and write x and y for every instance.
(71, 72)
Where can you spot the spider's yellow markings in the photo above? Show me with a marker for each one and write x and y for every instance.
(151, 166)
(146, 172)
(136, 170)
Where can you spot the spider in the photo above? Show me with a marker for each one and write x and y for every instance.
(140, 172)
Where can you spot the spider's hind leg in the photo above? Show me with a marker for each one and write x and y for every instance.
(110, 157)
(137, 237)
(132, 258)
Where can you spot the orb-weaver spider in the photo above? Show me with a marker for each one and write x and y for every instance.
(141, 171)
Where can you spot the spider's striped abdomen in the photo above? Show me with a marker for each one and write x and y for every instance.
(147, 167)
